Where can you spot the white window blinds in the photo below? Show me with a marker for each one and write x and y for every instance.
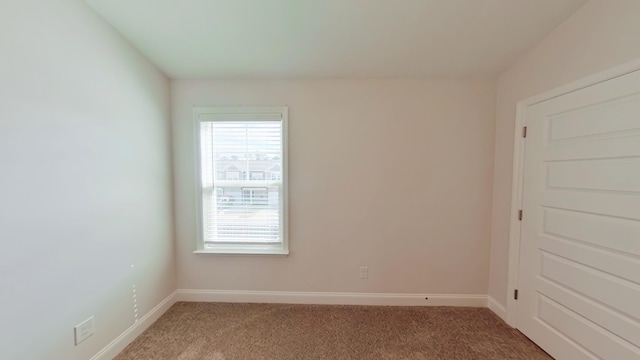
(242, 181)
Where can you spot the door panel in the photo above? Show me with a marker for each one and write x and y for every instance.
(609, 204)
(602, 315)
(619, 265)
(594, 230)
(605, 174)
(615, 293)
(607, 147)
(587, 120)
(593, 338)
(579, 273)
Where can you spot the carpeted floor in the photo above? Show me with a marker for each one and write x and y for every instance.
(219, 331)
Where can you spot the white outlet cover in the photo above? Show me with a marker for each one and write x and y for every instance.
(83, 330)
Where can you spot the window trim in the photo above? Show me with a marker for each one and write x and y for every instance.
(238, 112)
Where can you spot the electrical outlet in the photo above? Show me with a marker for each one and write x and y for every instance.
(364, 272)
(83, 330)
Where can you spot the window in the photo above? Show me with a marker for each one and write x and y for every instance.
(274, 172)
(231, 175)
(242, 210)
(255, 196)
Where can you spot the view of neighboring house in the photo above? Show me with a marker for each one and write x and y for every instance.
(261, 170)
(245, 197)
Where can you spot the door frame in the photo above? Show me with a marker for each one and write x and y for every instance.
(518, 169)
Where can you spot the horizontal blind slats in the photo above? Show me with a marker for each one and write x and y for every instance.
(241, 178)
(231, 117)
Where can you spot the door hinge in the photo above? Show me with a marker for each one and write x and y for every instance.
(520, 215)
(515, 294)
(524, 131)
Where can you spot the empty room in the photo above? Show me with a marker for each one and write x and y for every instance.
(319, 179)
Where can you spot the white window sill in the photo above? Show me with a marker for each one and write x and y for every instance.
(243, 252)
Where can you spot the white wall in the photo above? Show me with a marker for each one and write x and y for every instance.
(600, 35)
(85, 180)
(395, 175)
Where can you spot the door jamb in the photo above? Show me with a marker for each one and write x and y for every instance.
(518, 168)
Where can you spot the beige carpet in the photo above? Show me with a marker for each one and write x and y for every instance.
(216, 331)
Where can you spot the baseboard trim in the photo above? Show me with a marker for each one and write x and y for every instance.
(331, 298)
(497, 308)
(124, 339)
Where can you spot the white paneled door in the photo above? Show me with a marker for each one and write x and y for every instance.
(579, 274)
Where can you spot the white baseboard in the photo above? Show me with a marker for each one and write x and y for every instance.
(497, 308)
(331, 298)
(119, 343)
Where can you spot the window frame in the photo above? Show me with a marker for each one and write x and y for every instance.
(241, 114)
